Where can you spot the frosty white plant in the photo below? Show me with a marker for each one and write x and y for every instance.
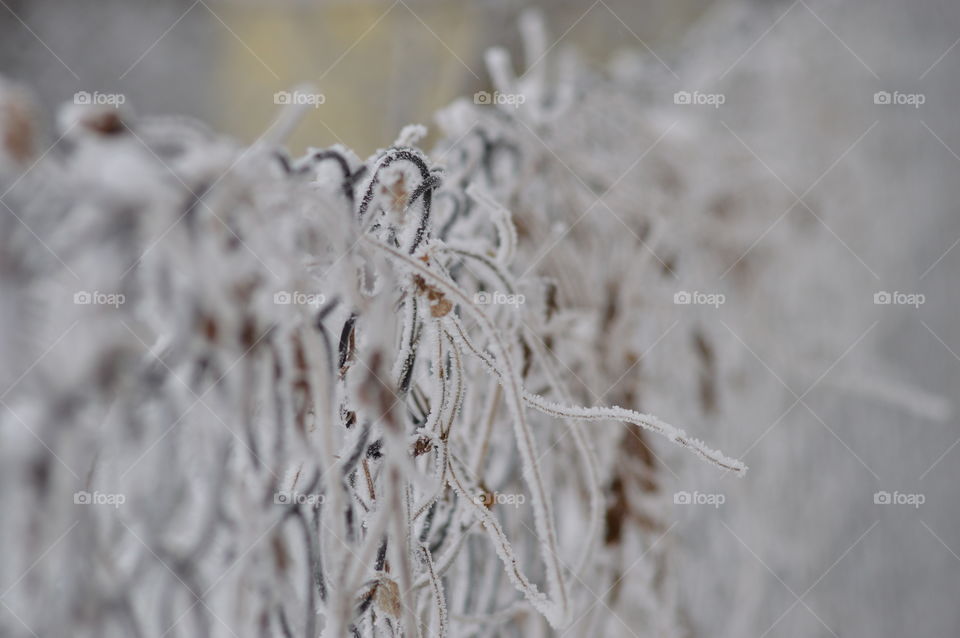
(248, 395)
(358, 397)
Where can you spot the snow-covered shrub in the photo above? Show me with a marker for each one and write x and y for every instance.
(369, 396)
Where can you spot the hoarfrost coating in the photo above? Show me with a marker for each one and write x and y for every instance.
(334, 396)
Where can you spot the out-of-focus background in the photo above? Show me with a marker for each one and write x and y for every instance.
(801, 548)
(380, 65)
